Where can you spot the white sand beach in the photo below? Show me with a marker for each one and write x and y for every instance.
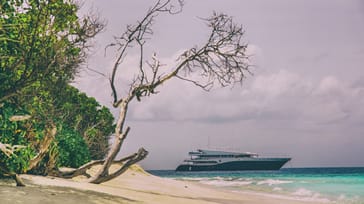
(134, 186)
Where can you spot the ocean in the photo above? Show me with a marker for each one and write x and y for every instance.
(326, 185)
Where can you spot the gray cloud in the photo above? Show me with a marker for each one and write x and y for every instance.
(278, 96)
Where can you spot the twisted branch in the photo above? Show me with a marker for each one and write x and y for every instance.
(9, 150)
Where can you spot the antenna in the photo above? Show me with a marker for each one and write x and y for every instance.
(208, 142)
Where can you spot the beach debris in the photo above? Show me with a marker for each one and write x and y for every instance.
(9, 150)
(16, 118)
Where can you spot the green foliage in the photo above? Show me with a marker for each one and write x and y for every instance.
(14, 133)
(86, 116)
(42, 43)
(72, 149)
(19, 161)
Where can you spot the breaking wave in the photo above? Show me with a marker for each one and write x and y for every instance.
(317, 185)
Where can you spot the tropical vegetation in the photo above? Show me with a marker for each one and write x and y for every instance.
(43, 43)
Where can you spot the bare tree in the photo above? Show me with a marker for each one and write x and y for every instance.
(221, 61)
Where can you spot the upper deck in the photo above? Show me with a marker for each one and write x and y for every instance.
(220, 154)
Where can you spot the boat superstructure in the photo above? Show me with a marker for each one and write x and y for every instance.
(213, 160)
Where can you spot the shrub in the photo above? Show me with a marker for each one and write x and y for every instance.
(14, 133)
(72, 149)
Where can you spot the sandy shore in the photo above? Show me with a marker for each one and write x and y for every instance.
(134, 186)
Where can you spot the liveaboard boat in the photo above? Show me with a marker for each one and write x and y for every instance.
(212, 160)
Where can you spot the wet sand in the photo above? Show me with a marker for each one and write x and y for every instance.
(35, 194)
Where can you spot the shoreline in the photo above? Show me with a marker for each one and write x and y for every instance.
(134, 186)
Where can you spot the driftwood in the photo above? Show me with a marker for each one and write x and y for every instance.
(124, 162)
(136, 157)
(9, 150)
(15, 118)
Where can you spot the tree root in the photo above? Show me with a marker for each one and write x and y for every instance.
(18, 180)
(136, 157)
(126, 163)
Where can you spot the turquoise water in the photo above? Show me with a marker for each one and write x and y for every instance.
(331, 185)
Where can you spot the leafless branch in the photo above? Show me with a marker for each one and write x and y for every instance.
(136, 35)
(222, 60)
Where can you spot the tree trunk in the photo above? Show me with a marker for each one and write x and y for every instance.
(103, 174)
(120, 136)
(44, 147)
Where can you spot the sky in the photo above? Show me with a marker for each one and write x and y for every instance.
(305, 98)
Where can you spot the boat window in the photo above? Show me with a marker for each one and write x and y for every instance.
(219, 156)
(205, 162)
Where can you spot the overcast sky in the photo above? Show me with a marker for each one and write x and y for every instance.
(305, 99)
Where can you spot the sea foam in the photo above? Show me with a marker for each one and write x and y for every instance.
(303, 192)
(224, 183)
(271, 182)
(307, 195)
